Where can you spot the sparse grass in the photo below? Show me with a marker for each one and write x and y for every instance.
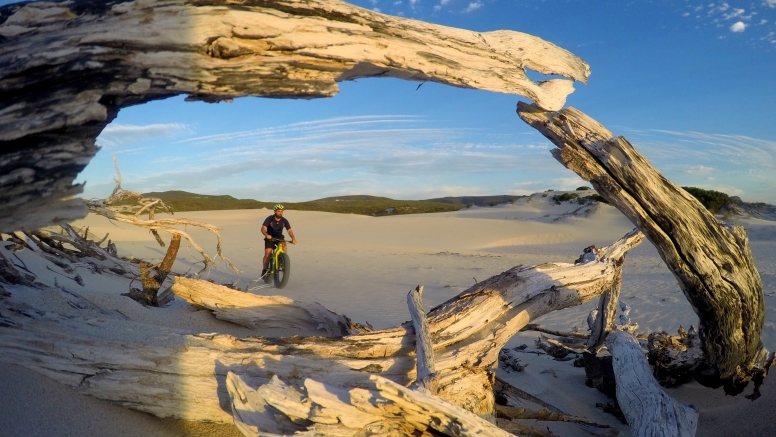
(557, 199)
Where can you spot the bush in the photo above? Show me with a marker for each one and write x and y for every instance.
(564, 197)
(712, 200)
(597, 198)
(469, 205)
(582, 188)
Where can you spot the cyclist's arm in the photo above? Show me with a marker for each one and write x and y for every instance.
(291, 234)
(264, 232)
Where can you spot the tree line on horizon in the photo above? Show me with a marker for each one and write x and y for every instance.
(715, 201)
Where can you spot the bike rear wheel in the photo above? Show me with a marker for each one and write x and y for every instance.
(282, 270)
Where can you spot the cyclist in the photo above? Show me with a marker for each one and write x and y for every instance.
(273, 228)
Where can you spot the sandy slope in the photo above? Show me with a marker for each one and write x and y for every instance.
(363, 267)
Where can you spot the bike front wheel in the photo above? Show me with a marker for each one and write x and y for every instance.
(282, 270)
(268, 274)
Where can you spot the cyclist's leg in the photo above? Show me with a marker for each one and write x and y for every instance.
(267, 252)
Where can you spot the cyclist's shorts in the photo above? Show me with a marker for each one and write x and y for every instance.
(269, 244)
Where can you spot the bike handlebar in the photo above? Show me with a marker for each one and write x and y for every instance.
(278, 240)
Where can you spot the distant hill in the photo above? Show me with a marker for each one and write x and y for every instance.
(476, 200)
(185, 201)
(358, 204)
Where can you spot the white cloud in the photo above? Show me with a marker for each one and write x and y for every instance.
(698, 170)
(770, 3)
(473, 6)
(119, 134)
(734, 14)
(738, 27)
(445, 2)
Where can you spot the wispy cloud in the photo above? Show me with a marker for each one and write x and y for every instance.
(376, 153)
(741, 163)
(120, 134)
(473, 6)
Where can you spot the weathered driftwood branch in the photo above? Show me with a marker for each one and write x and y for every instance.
(69, 67)
(712, 262)
(102, 207)
(10, 274)
(149, 295)
(604, 321)
(647, 408)
(264, 312)
(325, 410)
(426, 376)
(184, 376)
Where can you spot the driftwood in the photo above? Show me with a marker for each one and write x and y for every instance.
(69, 67)
(425, 374)
(712, 262)
(264, 312)
(185, 376)
(151, 284)
(648, 409)
(103, 207)
(325, 410)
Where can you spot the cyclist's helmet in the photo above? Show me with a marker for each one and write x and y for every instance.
(279, 206)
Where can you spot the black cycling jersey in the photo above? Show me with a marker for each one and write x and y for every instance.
(275, 227)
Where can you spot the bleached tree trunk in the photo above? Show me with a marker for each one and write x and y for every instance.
(424, 348)
(648, 409)
(170, 374)
(69, 67)
(712, 262)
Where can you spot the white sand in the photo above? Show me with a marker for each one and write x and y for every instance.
(363, 267)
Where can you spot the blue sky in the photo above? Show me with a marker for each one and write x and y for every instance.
(691, 84)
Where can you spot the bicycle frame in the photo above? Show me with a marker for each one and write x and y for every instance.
(274, 257)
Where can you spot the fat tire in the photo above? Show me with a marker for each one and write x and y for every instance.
(268, 278)
(284, 268)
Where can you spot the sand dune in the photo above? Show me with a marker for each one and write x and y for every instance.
(363, 267)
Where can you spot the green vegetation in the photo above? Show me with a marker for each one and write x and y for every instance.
(371, 205)
(582, 188)
(557, 199)
(364, 205)
(477, 200)
(598, 198)
(564, 197)
(712, 200)
(185, 201)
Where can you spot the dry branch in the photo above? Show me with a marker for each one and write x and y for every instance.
(325, 410)
(647, 408)
(712, 262)
(81, 64)
(264, 312)
(173, 374)
(426, 376)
